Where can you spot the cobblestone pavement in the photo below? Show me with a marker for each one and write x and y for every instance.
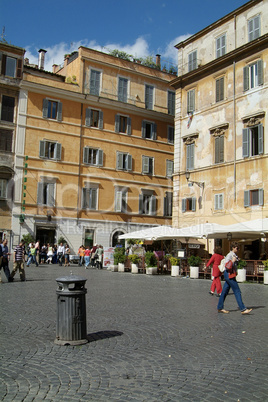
(151, 338)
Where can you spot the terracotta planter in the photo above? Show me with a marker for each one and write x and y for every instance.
(175, 270)
(194, 272)
(241, 275)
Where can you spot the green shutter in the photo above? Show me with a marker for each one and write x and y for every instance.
(100, 157)
(88, 117)
(260, 138)
(45, 108)
(42, 147)
(58, 151)
(260, 72)
(246, 78)
(183, 205)
(59, 114)
(86, 155)
(145, 164)
(245, 145)
(117, 123)
(129, 162)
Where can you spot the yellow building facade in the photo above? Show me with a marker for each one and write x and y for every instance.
(94, 151)
(220, 152)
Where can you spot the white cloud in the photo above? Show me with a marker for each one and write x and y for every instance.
(170, 51)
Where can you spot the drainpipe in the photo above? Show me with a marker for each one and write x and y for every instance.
(234, 114)
(80, 152)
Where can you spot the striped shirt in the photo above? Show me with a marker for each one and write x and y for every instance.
(19, 253)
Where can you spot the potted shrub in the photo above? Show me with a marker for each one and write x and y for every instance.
(134, 258)
(151, 263)
(175, 266)
(265, 272)
(241, 271)
(120, 258)
(194, 262)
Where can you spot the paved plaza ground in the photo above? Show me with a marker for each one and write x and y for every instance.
(151, 338)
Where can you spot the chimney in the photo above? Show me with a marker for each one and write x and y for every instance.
(158, 60)
(41, 60)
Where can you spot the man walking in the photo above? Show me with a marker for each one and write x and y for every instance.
(19, 253)
(5, 260)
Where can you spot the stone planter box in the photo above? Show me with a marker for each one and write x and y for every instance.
(114, 268)
(134, 269)
(151, 271)
(265, 277)
(175, 270)
(194, 272)
(241, 275)
(121, 267)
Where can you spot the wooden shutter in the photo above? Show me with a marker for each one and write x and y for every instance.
(4, 61)
(85, 194)
(40, 189)
(93, 198)
(260, 139)
(129, 126)
(153, 205)
(100, 120)
(19, 68)
(88, 117)
(171, 134)
(261, 196)
(154, 129)
(42, 149)
(145, 164)
(86, 155)
(190, 156)
(219, 89)
(58, 151)
(143, 129)
(51, 194)
(245, 145)
(246, 78)
(191, 101)
(171, 103)
(129, 162)
(140, 204)
(183, 205)
(149, 91)
(260, 72)
(246, 198)
(45, 108)
(100, 157)
(193, 204)
(59, 114)
(117, 123)
(169, 168)
(119, 160)
(118, 201)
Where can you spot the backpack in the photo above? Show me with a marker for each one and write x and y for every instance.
(222, 265)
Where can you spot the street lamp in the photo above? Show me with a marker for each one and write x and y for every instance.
(229, 236)
(200, 184)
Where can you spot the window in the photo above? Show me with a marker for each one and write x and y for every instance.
(120, 200)
(169, 168)
(52, 109)
(147, 165)
(254, 28)
(94, 82)
(188, 204)
(148, 130)
(50, 150)
(89, 197)
(123, 161)
(122, 89)
(192, 61)
(253, 197)
(190, 156)
(94, 118)
(6, 140)
(218, 201)
(11, 67)
(252, 141)
(168, 204)
(3, 188)
(253, 75)
(171, 134)
(171, 103)
(93, 156)
(220, 89)
(122, 124)
(147, 203)
(221, 46)
(191, 101)
(46, 194)
(149, 97)
(7, 110)
(219, 149)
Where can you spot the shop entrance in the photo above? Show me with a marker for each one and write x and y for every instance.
(45, 235)
(89, 236)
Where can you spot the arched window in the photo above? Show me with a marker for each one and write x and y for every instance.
(115, 240)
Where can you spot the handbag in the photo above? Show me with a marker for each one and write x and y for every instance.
(222, 265)
(229, 265)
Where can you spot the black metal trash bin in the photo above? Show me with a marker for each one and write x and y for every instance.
(71, 328)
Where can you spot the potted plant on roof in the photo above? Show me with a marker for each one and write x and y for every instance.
(120, 258)
(175, 266)
(150, 263)
(241, 271)
(134, 258)
(194, 262)
(265, 272)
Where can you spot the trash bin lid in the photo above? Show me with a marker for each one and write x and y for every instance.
(71, 279)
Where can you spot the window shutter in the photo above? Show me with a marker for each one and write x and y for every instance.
(93, 198)
(171, 134)
(149, 97)
(260, 138)
(246, 198)
(4, 60)
(169, 168)
(59, 115)
(246, 78)
(86, 155)
(191, 101)
(183, 205)
(101, 119)
(118, 201)
(40, 189)
(84, 198)
(145, 164)
(171, 103)
(100, 157)
(129, 162)
(250, 30)
(154, 128)
(140, 204)
(88, 117)
(129, 126)
(42, 147)
(58, 151)
(143, 129)
(245, 146)
(194, 204)
(19, 68)
(153, 205)
(190, 156)
(260, 72)
(50, 195)
(261, 196)
(117, 123)
(221, 143)
(45, 108)
(119, 160)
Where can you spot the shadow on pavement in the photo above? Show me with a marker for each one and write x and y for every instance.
(97, 336)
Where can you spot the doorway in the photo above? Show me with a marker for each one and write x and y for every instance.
(45, 235)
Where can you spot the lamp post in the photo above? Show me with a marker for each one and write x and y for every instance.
(229, 237)
(200, 184)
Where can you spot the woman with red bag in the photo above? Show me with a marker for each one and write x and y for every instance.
(230, 281)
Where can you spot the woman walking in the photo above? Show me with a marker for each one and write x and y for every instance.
(216, 273)
(230, 281)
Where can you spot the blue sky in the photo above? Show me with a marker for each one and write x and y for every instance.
(139, 27)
